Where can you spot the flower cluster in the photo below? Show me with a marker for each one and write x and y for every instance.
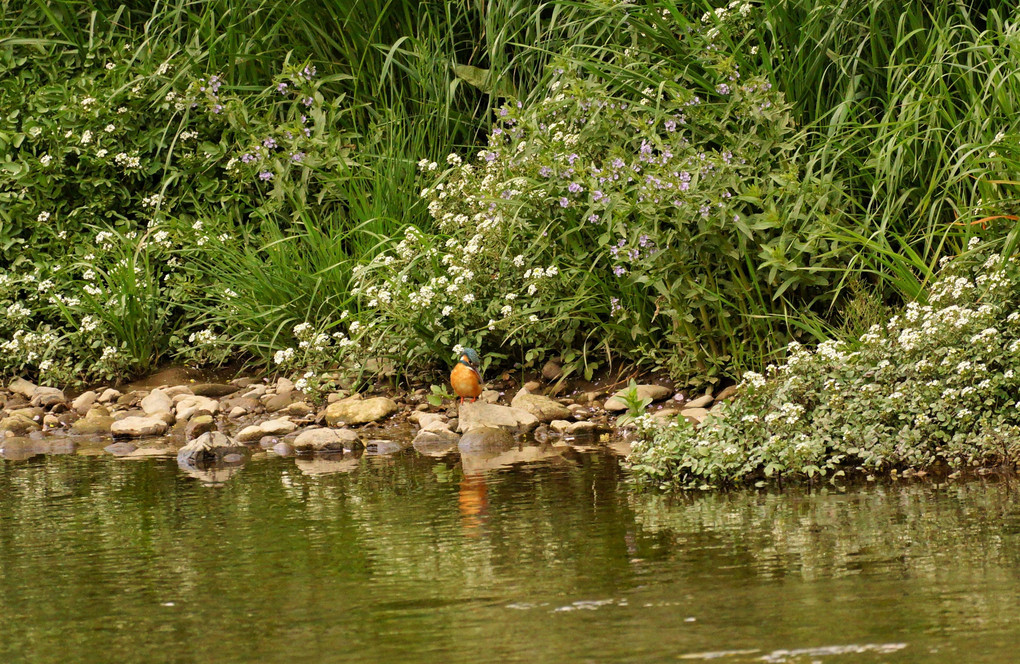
(936, 384)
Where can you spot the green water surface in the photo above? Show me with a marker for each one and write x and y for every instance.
(407, 559)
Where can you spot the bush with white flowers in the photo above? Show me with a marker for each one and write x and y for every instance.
(937, 385)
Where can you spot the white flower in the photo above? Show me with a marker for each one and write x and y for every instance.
(86, 137)
(469, 298)
(447, 310)
(45, 160)
(102, 153)
(43, 216)
(109, 129)
(88, 101)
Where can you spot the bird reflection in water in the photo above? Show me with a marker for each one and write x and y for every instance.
(473, 501)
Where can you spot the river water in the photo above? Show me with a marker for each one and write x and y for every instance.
(552, 559)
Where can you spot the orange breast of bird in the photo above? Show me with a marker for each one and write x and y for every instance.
(465, 381)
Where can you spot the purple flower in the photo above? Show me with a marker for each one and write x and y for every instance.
(643, 240)
(503, 112)
(619, 270)
(574, 188)
(308, 72)
(670, 125)
(572, 158)
(304, 119)
(593, 218)
(297, 156)
(247, 158)
(545, 171)
(618, 163)
(705, 210)
(308, 131)
(265, 176)
(307, 101)
(281, 88)
(564, 202)
(269, 142)
(490, 156)
(217, 108)
(722, 89)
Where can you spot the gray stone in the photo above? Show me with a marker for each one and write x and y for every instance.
(326, 439)
(551, 370)
(654, 392)
(277, 427)
(208, 449)
(283, 449)
(250, 434)
(109, 394)
(581, 428)
(198, 425)
(213, 389)
(559, 426)
(727, 393)
(157, 402)
(121, 449)
(83, 402)
(97, 421)
(189, 406)
(477, 414)
(135, 427)
(696, 415)
(435, 443)
(489, 396)
(544, 408)
(701, 402)
(425, 419)
(355, 410)
(178, 390)
(47, 397)
(19, 425)
(486, 440)
(23, 387)
(279, 401)
(383, 447)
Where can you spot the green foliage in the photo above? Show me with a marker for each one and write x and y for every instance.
(935, 385)
(439, 395)
(635, 404)
(670, 228)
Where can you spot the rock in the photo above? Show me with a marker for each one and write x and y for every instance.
(654, 392)
(97, 421)
(189, 406)
(284, 385)
(489, 396)
(267, 442)
(581, 428)
(249, 404)
(145, 452)
(19, 425)
(486, 440)
(477, 414)
(179, 390)
(278, 427)
(236, 412)
(135, 427)
(435, 443)
(83, 402)
(47, 397)
(425, 419)
(109, 394)
(198, 425)
(326, 439)
(700, 402)
(559, 426)
(50, 421)
(695, 415)
(381, 447)
(533, 386)
(279, 401)
(121, 449)
(355, 410)
(33, 413)
(23, 387)
(250, 434)
(157, 402)
(213, 389)
(254, 392)
(298, 409)
(283, 449)
(544, 408)
(727, 393)
(318, 465)
(551, 370)
(208, 449)
(665, 415)
(337, 396)
(437, 425)
(131, 399)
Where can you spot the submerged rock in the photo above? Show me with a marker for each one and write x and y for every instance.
(486, 440)
(435, 443)
(121, 449)
(208, 449)
(383, 447)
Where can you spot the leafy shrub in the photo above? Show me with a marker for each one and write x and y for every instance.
(663, 225)
(935, 385)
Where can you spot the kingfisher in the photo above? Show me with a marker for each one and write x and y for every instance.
(465, 377)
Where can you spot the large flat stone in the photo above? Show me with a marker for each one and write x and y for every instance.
(355, 410)
(478, 414)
